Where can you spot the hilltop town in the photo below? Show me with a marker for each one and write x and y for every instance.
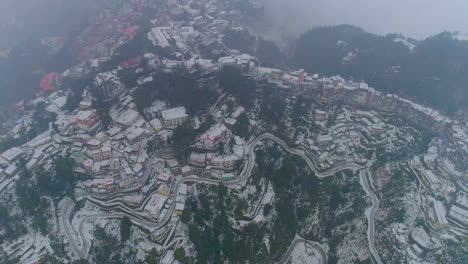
(167, 144)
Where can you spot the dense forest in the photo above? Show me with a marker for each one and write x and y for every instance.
(434, 72)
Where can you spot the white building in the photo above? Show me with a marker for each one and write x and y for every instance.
(197, 159)
(11, 170)
(32, 164)
(155, 205)
(174, 117)
(213, 136)
(156, 124)
(159, 36)
(108, 86)
(459, 215)
(432, 178)
(439, 210)
(181, 196)
(126, 117)
(320, 115)
(133, 135)
(324, 139)
(462, 198)
(165, 175)
(239, 110)
(12, 154)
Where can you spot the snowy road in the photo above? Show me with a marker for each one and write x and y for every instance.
(81, 249)
(370, 214)
(66, 206)
(299, 240)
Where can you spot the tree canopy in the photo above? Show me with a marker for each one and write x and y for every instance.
(125, 228)
(232, 80)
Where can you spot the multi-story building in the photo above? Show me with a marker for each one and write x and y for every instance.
(86, 119)
(108, 86)
(211, 138)
(174, 117)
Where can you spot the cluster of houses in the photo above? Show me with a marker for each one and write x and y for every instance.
(217, 150)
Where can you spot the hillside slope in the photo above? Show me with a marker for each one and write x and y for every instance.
(432, 71)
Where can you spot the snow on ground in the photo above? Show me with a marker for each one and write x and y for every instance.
(29, 248)
(413, 258)
(422, 238)
(451, 168)
(168, 258)
(112, 226)
(144, 247)
(461, 36)
(408, 44)
(5, 183)
(304, 253)
(354, 245)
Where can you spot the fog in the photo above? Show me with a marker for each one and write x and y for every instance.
(25, 19)
(413, 18)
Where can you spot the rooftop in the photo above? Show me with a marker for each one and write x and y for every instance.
(11, 154)
(174, 113)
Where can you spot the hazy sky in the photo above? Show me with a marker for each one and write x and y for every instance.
(414, 18)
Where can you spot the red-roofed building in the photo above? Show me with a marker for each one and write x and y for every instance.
(131, 31)
(213, 136)
(86, 119)
(130, 63)
(49, 82)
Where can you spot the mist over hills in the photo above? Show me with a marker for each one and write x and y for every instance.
(416, 18)
(28, 19)
(433, 71)
(181, 131)
(22, 25)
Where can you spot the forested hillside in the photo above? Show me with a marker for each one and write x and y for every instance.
(432, 71)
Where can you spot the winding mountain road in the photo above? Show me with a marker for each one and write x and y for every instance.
(299, 240)
(370, 214)
(134, 214)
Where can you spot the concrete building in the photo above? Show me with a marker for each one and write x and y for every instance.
(86, 119)
(212, 137)
(462, 199)
(133, 135)
(159, 36)
(75, 72)
(156, 124)
(197, 159)
(439, 215)
(11, 170)
(108, 86)
(126, 117)
(155, 205)
(180, 199)
(459, 215)
(432, 178)
(12, 154)
(324, 140)
(174, 117)
(320, 115)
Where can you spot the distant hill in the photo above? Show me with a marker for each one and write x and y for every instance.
(22, 25)
(432, 71)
